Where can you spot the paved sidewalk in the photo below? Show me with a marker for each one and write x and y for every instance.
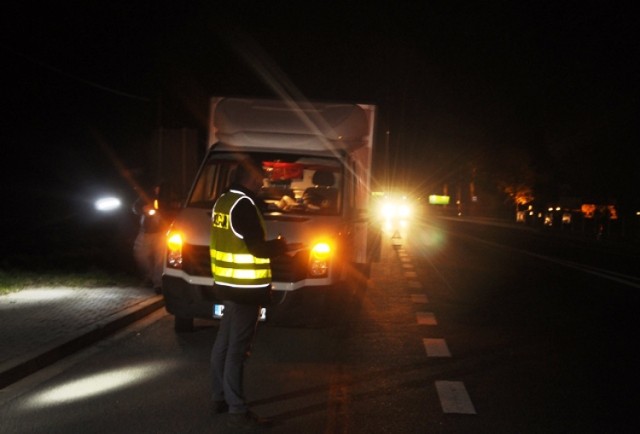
(39, 326)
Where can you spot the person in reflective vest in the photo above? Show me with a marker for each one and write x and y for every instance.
(240, 264)
(238, 274)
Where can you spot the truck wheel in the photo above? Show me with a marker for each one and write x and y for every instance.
(182, 324)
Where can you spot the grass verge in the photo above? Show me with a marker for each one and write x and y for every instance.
(12, 281)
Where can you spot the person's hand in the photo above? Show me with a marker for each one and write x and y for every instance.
(291, 247)
(286, 203)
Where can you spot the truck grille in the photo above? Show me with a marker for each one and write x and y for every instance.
(290, 268)
(197, 262)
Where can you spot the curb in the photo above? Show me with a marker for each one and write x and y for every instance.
(17, 369)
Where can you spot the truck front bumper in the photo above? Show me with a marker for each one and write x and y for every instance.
(186, 300)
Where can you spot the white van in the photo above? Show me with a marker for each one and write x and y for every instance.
(316, 159)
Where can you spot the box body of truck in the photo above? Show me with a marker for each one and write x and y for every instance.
(316, 159)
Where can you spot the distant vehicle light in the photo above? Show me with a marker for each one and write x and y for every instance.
(387, 210)
(404, 210)
(395, 209)
(107, 204)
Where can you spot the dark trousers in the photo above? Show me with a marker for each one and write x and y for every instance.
(230, 351)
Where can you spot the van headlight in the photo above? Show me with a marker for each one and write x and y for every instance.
(319, 258)
(174, 249)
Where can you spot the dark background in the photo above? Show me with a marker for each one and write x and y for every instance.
(465, 90)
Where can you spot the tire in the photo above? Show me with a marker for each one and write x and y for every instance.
(182, 324)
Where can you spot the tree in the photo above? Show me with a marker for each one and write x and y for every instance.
(514, 176)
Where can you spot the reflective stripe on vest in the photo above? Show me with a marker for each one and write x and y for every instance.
(231, 262)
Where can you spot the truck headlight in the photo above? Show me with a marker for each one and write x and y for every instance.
(174, 249)
(319, 257)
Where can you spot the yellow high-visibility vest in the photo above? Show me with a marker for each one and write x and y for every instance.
(231, 263)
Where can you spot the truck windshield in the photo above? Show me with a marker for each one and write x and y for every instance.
(292, 184)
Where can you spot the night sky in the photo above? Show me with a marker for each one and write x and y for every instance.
(85, 85)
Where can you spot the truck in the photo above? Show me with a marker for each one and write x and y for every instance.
(316, 159)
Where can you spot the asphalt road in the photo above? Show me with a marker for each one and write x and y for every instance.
(464, 328)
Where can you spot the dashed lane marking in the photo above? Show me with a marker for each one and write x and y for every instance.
(426, 318)
(436, 347)
(454, 397)
(452, 394)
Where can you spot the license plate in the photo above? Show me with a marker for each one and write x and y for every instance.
(218, 310)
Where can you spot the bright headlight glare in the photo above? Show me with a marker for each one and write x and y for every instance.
(387, 210)
(174, 249)
(404, 210)
(319, 259)
(107, 204)
(321, 251)
(174, 241)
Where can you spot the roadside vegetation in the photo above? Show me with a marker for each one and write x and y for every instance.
(77, 259)
(13, 281)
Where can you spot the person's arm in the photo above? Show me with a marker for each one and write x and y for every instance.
(247, 223)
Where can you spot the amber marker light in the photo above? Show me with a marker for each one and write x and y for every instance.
(319, 259)
(321, 250)
(174, 249)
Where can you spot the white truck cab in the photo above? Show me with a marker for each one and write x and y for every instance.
(316, 159)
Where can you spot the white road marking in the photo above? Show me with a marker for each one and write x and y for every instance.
(426, 318)
(452, 394)
(454, 397)
(436, 347)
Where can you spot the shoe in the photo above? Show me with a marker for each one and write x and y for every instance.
(219, 407)
(247, 421)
